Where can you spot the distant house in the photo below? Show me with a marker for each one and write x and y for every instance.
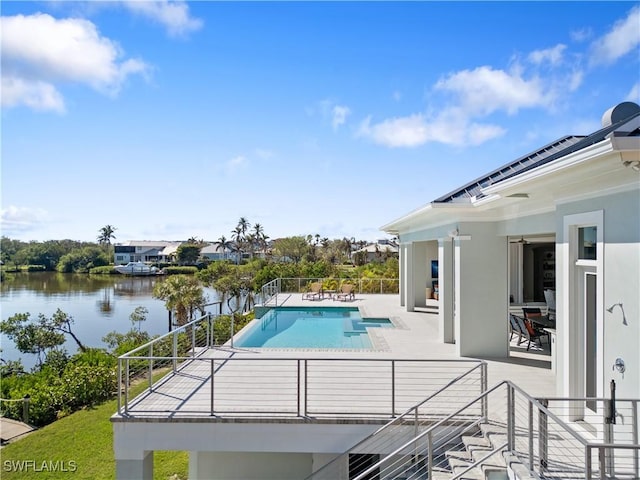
(145, 251)
(213, 252)
(383, 248)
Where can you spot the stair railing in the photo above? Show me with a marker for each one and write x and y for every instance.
(536, 438)
(410, 423)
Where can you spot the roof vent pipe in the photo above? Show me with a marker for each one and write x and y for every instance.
(618, 113)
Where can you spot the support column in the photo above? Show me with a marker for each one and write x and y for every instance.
(401, 274)
(409, 288)
(446, 290)
(138, 465)
(481, 292)
(420, 274)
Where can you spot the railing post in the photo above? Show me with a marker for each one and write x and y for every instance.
(602, 460)
(531, 465)
(193, 340)
(483, 386)
(175, 351)
(588, 469)
(299, 391)
(429, 455)
(151, 367)
(126, 385)
(393, 388)
(543, 437)
(213, 369)
(25, 408)
(306, 389)
(119, 384)
(511, 418)
(636, 436)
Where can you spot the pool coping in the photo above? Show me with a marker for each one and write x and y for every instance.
(378, 342)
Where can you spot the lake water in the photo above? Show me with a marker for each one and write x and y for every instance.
(98, 304)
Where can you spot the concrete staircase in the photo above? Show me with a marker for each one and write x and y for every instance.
(473, 450)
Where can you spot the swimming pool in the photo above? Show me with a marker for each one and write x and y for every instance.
(311, 327)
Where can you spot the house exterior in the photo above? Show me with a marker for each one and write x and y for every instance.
(144, 251)
(563, 221)
(383, 248)
(560, 226)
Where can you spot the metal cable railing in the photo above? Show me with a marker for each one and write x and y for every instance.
(222, 382)
(408, 425)
(362, 285)
(503, 419)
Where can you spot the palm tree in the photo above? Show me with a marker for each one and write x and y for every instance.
(244, 225)
(224, 245)
(183, 294)
(106, 234)
(238, 240)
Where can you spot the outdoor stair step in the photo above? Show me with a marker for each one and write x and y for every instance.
(476, 442)
(459, 466)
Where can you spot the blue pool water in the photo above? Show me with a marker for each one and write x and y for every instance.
(311, 327)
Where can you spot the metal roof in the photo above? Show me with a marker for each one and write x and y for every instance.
(560, 148)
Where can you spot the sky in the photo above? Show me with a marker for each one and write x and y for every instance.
(169, 120)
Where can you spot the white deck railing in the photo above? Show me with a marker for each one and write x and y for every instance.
(271, 290)
(223, 383)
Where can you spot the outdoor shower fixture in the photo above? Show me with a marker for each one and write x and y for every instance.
(619, 304)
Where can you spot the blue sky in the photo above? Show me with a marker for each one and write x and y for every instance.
(171, 120)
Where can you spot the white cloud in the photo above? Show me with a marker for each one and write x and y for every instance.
(21, 219)
(452, 126)
(39, 52)
(623, 38)
(484, 90)
(331, 111)
(582, 35)
(37, 95)
(553, 56)
(173, 15)
(339, 115)
(408, 131)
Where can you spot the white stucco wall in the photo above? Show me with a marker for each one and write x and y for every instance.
(621, 284)
(250, 466)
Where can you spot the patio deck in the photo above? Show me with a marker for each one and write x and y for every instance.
(272, 391)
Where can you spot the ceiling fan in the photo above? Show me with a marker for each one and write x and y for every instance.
(521, 241)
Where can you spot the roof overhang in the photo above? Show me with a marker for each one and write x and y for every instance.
(592, 171)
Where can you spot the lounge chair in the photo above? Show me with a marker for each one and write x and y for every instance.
(345, 293)
(528, 332)
(314, 293)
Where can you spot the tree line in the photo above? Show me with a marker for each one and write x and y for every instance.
(246, 242)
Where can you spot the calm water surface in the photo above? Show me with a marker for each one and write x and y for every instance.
(98, 304)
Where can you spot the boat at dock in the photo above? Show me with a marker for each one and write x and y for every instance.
(137, 269)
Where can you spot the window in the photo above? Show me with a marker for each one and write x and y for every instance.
(587, 243)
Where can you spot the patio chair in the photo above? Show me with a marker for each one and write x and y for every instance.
(514, 329)
(346, 293)
(528, 332)
(314, 293)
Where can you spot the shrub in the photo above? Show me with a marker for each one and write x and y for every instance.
(103, 270)
(177, 270)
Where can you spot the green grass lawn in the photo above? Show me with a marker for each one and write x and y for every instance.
(86, 439)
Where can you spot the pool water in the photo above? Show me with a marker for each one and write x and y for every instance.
(311, 327)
